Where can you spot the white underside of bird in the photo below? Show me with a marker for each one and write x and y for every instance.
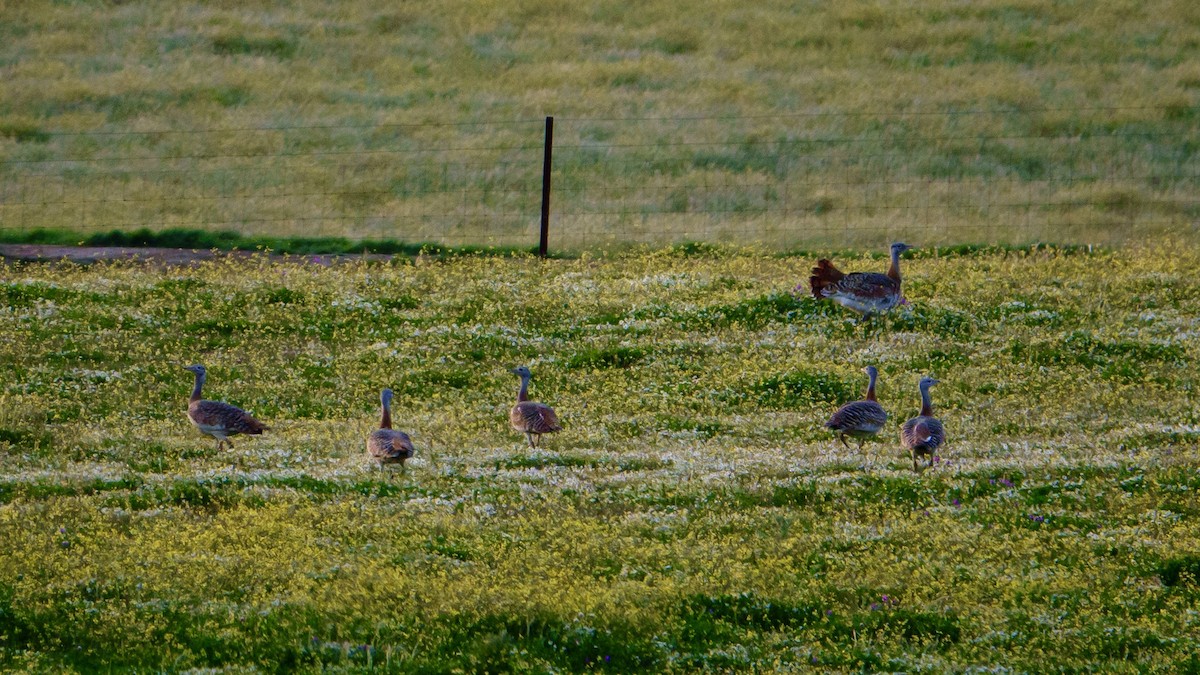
(865, 430)
(860, 304)
(215, 431)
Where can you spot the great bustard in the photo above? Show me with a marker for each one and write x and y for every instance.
(217, 419)
(529, 417)
(386, 445)
(864, 292)
(923, 434)
(860, 419)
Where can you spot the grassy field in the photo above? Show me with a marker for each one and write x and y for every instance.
(791, 124)
(693, 515)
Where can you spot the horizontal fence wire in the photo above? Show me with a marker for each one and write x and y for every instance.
(1099, 175)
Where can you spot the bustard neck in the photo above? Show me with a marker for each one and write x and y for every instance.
(386, 421)
(523, 394)
(198, 387)
(926, 402)
(894, 270)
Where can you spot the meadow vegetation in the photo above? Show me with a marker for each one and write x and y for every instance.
(791, 124)
(693, 515)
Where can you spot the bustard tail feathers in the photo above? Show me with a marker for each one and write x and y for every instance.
(824, 274)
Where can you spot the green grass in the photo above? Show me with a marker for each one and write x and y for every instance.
(844, 125)
(693, 514)
(228, 240)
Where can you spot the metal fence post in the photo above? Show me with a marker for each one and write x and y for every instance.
(545, 238)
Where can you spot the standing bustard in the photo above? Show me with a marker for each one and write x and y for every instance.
(529, 417)
(923, 434)
(864, 292)
(217, 419)
(386, 445)
(859, 419)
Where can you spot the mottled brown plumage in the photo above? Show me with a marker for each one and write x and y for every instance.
(923, 434)
(217, 419)
(860, 419)
(529, 417)
(863, 292)
(386, 445)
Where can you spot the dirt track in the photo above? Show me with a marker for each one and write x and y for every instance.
(164, 256)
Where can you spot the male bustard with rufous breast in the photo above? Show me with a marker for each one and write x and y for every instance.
(864, 292)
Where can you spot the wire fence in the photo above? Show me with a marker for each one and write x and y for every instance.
(807, 180)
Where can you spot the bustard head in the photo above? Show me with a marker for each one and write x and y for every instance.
(899, 247)
(521, 371)
(196, 368)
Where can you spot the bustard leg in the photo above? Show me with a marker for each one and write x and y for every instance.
(529, 437)
(871, 325)
(842, 438)
(914, 459)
